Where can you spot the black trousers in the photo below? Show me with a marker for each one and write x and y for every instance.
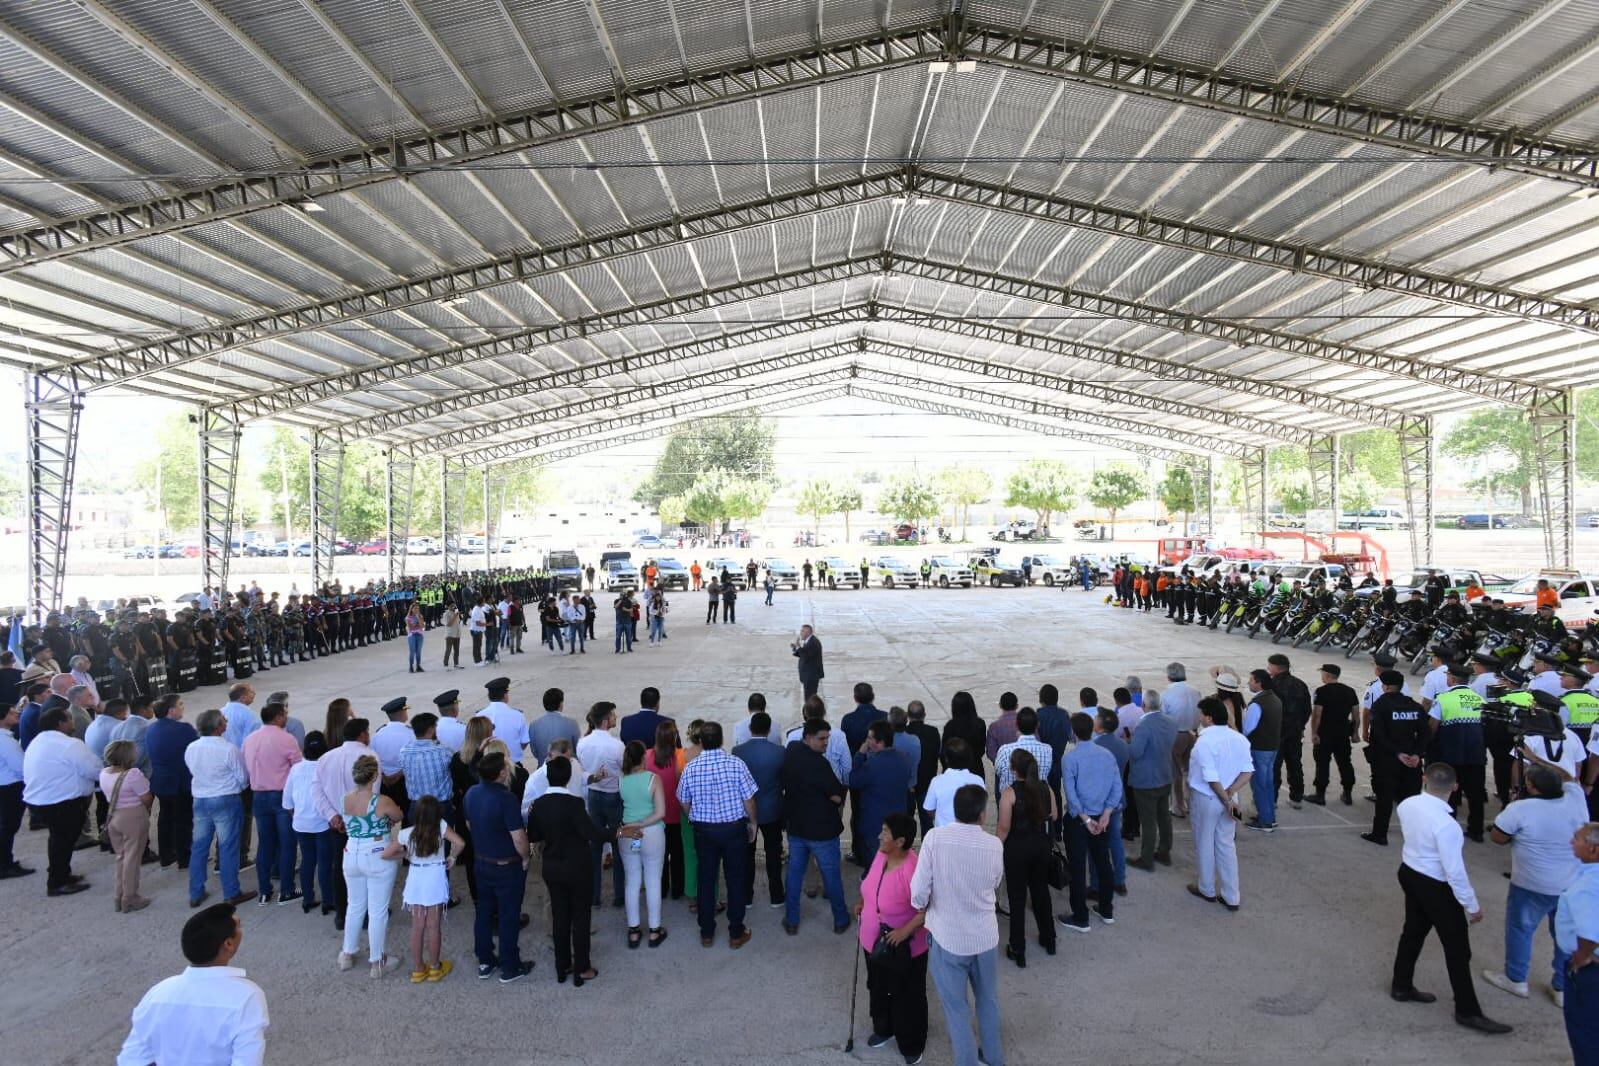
(1471, 785)
(10, 822)
(1431, 905)
(673, 870)
(809, 687)
(1083, 847)
(1027, 873)
(477, 646)
(771, 834)
(899, 1003)
(1291, 760)
(247, 797)
(570, 911)
(1330, 749)
(65, 822)
(729, 612)
(1501, 748)
(710, 612)
(1393, 782)
(174, 827)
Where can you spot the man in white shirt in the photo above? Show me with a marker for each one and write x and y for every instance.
(1546, 676)
(510, 725)
(474, 625)
(217, 778)
(1538, 829)
(602, 754)
(58, 774)
(941, 790)
(1436, 679)
(741, 728)
(451, 730)
(387, 742)
(1438, 895)
(538, 782)
(241, 721)
(1219, 766)
(1484, 674)
(11, 759)
(208, 1015)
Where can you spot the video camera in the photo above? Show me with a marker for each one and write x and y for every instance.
(1538, 720)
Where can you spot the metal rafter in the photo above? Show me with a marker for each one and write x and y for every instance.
(54, 405)
(219, 431)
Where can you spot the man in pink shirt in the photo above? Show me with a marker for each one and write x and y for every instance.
(268, 753)
(333, 781)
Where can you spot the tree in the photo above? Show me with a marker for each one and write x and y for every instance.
(1182, 489)
(818, 499)
(1359, 491)
(847, 500)
(745, 498)
(671, 511)
(961, 486)
(175, 467)
(1293, 489)
(740, 445)
(1044, 486)
(1375, 451)
(715, 498)
(908, 498)
(1115, 486)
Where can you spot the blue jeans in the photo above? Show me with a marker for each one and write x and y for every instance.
(826, 854)
(575, 638)
(657, 627)
(624, 633)
(316, 864)
(1524, 910)
(1582, 1016)
(1263, 787)
(951, 974)
(491, 644)
(605, 808)
(1118, 853)
(223, 818)
(274, 850)
(769, 596)
(722, 846)
(499, 910)
(413, 645)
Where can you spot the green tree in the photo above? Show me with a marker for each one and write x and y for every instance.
(1115, 486)
(1375, 451)
(175, 467)
(1293, 490)
(745, 498)
(961, 486)
(847, 501)
(1498, 444)
(1182, 490)
(740, 445)
(1044, 486)
(818, 499)
(715, 498)
(1358, 491)
(909, 498)
(672, 510)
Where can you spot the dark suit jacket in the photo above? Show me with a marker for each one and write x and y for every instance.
(640, 726)
(810, 660)
(562, 824)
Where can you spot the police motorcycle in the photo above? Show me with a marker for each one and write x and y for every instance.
(1373, 632)
(1271, 612)
(1296, 617)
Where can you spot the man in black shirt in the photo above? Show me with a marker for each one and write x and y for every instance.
(927, 769)
(1294, 695)
(813, 797)
(1331, 727)
(1398, 742)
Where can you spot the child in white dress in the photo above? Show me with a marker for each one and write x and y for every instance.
(427, 886)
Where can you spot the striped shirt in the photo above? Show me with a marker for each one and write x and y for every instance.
(714, 787)
(956, 876)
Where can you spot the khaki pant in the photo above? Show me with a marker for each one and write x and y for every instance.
(1181, 748)
(129, 831)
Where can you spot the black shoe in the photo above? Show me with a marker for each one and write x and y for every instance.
(1477, 838)
(1018, 957)
(71, 888)
(149, 857)
(327, 909)
(876, 1041)
(15, 870)
(1375, 839)
(287, 897)
(1348, 798)
(263, 899)
(1410, 995)
(308, 906)
(485, 970)
(1319, 799)
(1073, 925)
(1483, 1024)
(517, 974)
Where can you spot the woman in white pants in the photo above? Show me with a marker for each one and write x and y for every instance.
(370, 866)
(643, 843)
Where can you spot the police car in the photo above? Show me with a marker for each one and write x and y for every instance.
(1050, 569)
(946, 570)
(895, 573)
(671, 574)
(783, 573)
(1579, 593)
(734, 568)
(842, 573)
(621, 574)
(996, 571)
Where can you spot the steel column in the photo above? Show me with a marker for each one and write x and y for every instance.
(488, 522)
(1324, 475)
(219, 433)
(1210, 496)
(398, 485)
(1416, 461)
(1254, 508)
(452, 489)
(53, 403)
(1554, 437)
(327, 484)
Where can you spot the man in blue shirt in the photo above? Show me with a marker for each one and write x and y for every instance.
(882, 779)
(765, 761)
(1149, 773)
(28, 725)
(499, 846)
(1091, 780)
(165, 742)
(1577, 934)
(909, 746)
(1106, 724)
(854, 725)
(1054, 729)
(641, 724)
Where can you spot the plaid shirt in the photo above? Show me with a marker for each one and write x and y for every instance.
(1032, 745)
(715, 786)
(426, 765)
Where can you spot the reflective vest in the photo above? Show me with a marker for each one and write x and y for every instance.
(1460, 734)
(1582, 710)
(1459, 706)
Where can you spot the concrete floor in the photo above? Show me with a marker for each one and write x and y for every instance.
(1300, 973)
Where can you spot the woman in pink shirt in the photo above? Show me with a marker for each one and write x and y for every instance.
(897, 986)
(661, 760)
(413, 638)
(129, 796)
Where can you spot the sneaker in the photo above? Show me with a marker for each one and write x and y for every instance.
(264, 899)
(1505, 984)
(485, 970)
(1102, 916)
(1558, 997)
(874, 1041)
(517, 974)
(287, 897)
(1260, 827)
(912, 1060)
(1075, 926)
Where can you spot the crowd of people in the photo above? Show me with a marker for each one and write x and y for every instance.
(342, 814)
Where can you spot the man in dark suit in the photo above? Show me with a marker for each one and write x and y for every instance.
(640, 725)
(559, 821)
(808, 650)
(880, 778)
(765, 761)
(854, 724)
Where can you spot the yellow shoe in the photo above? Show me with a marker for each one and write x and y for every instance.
(418, 976)
(441, 971)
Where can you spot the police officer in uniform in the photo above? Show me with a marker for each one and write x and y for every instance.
(1456, 724)
(1579, 707)
(1398, 741)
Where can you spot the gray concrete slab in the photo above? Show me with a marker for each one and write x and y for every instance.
(1299, 974)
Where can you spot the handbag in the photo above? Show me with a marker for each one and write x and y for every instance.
(1059, 871)
(893, 957)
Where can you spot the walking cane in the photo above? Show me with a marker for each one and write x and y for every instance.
(854, 984)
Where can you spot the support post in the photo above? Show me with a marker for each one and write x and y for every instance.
(452, 487)
(1254, 513)
(327, 483)
(1554, 436)
(53, 404)
(397, 490)
(488, 522)
(1210, 496)
(1416, 462)
(219, 433)
(1325, 462)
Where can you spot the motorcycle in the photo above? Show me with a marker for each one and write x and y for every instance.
(1269, 614)
(1291, 621)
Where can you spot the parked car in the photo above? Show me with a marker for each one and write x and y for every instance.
(997, 572)
(841, 573)
(894, 572)
(1375, 518)
(1459, 579)
(142, 551)
(1050, 569)
(421, 546)
(647, 540)
(620, 574)
(1305, 573)
(734, 568)
(784, 574)
(671, 574)
(373, 547)
(565, 571)
(948, 570)
(907, 533)
(1570, 584)
(875, 536)
(1480, 521)
(1018, 530)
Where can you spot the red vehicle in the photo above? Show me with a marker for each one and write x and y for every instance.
(373, 547)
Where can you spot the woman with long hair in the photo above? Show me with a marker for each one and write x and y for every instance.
(642, 842)
(691, 862)
(427, 886)
(1025, 812)
(370, 866)
(897, 984)
(661, 760)
(129, 800)
(414, 628)
(463, 775)
(965, 724)
(338, 714)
